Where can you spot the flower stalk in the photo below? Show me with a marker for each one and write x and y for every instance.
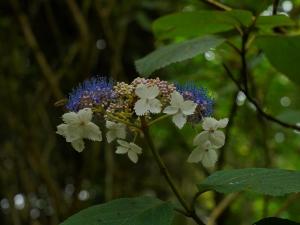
(158, 119)
(165, 172)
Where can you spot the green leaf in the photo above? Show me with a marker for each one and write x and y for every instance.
(240, 17)
(125, 211)
(197, 23)
(290, 116)
(275, 221)
(175, 53)
(275, 182)
(283, 53)
(254, 6)
(274, 21)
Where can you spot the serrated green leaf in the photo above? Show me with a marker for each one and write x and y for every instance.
(283, 52)
(197, 23)
(275, 221)
(275, 182)
(125, 211)
(274, 21)
(175, 53)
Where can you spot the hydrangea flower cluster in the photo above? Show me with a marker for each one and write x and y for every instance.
(123, 107)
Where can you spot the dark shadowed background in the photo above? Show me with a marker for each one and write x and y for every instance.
(48, 47)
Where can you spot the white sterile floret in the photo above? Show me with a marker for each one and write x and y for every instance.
(204, 153)
(131, 149)
(211, 132)
(180, 109)
(78, 126)
(147, 102)
(115, 130)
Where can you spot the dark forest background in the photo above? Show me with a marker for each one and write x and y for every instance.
(48, 47)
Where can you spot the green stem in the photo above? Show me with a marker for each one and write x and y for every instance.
(244, 69)
(158, 119)
(100, 110)
(135, 136)
(165, 172)
(123, 121)
(275, 7)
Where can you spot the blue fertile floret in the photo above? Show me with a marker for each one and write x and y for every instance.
(199, 95)
(97, 91)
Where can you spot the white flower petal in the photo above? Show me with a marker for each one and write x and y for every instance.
(73, 132)
(207, 145)
(133, 156)
(78, 145)
(115, 130)
(210, 158)
(152, 92)
(188, 107)
(62, 129)
(210, 123)
(222, 123)
(141, 91)
(121, 150)
(154, 106)
(78, 126)
(217, 138)
(135, 148)
(171, 110)
(176, 99)
(85, 115)
(121, 133)
(70, 118)
(132, 149)
(110, 124)
(180, 109)
(201, 138)
(196, 155)
(141, 107)
(123, 143)
(110, 136)
(179, 119)
(91, 131)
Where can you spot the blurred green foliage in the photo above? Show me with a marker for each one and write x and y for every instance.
(48, 47)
